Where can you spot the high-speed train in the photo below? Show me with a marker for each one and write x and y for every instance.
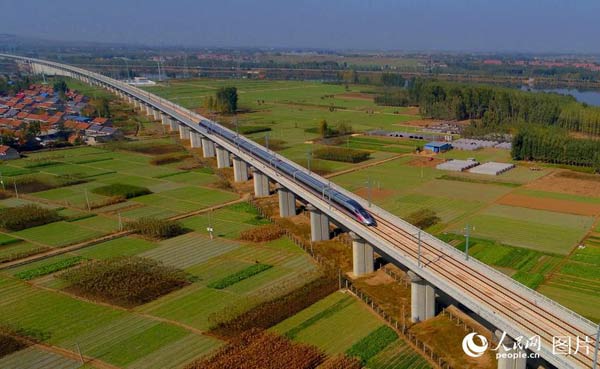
(352, 207)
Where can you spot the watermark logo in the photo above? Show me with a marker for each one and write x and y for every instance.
(472, 348)
(475, 345)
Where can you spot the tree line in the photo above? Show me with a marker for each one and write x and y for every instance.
(225, 101)
(501, 107)
(555, 146)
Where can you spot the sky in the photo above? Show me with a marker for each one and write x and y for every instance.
(554, 26)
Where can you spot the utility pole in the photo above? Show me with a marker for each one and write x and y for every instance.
(267, 141)
(120, 222)
(210, 228)
(369, 190)
(16, 191)
(308, 157)
(87, 200)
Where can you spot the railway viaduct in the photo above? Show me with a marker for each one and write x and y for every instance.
(437, 270)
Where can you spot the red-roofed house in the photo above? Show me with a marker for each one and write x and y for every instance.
(101, 121)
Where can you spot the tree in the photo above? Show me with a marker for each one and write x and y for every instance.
(226, 100)
(344, 128)
(33, 130)
(324, 128)
(60, 87)
(209, 103)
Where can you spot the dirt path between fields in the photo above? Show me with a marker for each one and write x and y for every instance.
(81, 245)
(363, 166)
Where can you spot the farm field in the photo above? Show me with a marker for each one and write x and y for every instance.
(88, 215)
(527, 221)
(322, 325)
(289, 108)
(108, 334)
(210, 260)
(577, 283)
(535, 229)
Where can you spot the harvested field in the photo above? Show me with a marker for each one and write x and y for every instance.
(356, 95)
(259, 349)
(425, 161)
(376, 194)
(569, 182)
(556, 205)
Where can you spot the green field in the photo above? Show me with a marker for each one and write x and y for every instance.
(535, 229)
(398, 355)
(324, 324)
(577, 283)
(211, 260)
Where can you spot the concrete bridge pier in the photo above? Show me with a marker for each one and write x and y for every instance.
(164, 119)
(422, 298)
(261, 184)
(223, 159)
(287, 202)
(195, 140)
(240, 170)
(173, 125)
(137, 104)
(510, 357)
(149, 111)
(362, 256)
(184, 132)
(156, 114)
(208, 148)
(319, 224)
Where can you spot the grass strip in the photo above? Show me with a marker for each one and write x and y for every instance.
(49, 268)
(239, 276)
(372, 344)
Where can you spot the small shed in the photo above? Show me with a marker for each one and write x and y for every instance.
(437, 146)
(8, 153)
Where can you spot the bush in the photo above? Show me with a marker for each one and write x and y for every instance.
(372, 344)
(423, 218)
(342, 154)
(239, 276)
(121, 190)
(9, 343)
(26, 216)
(125, 281)
(264, 350)
(169, 158)
(36, 183)
(49, 268)
(269, 313)
(144, 147)
(155, 228)
(268, 232)
(246, 130)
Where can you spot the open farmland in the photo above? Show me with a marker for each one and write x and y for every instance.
(95, 329)
(321, 324)
(212, 260)
(526, 220)
(577, 283)
(536, 229)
